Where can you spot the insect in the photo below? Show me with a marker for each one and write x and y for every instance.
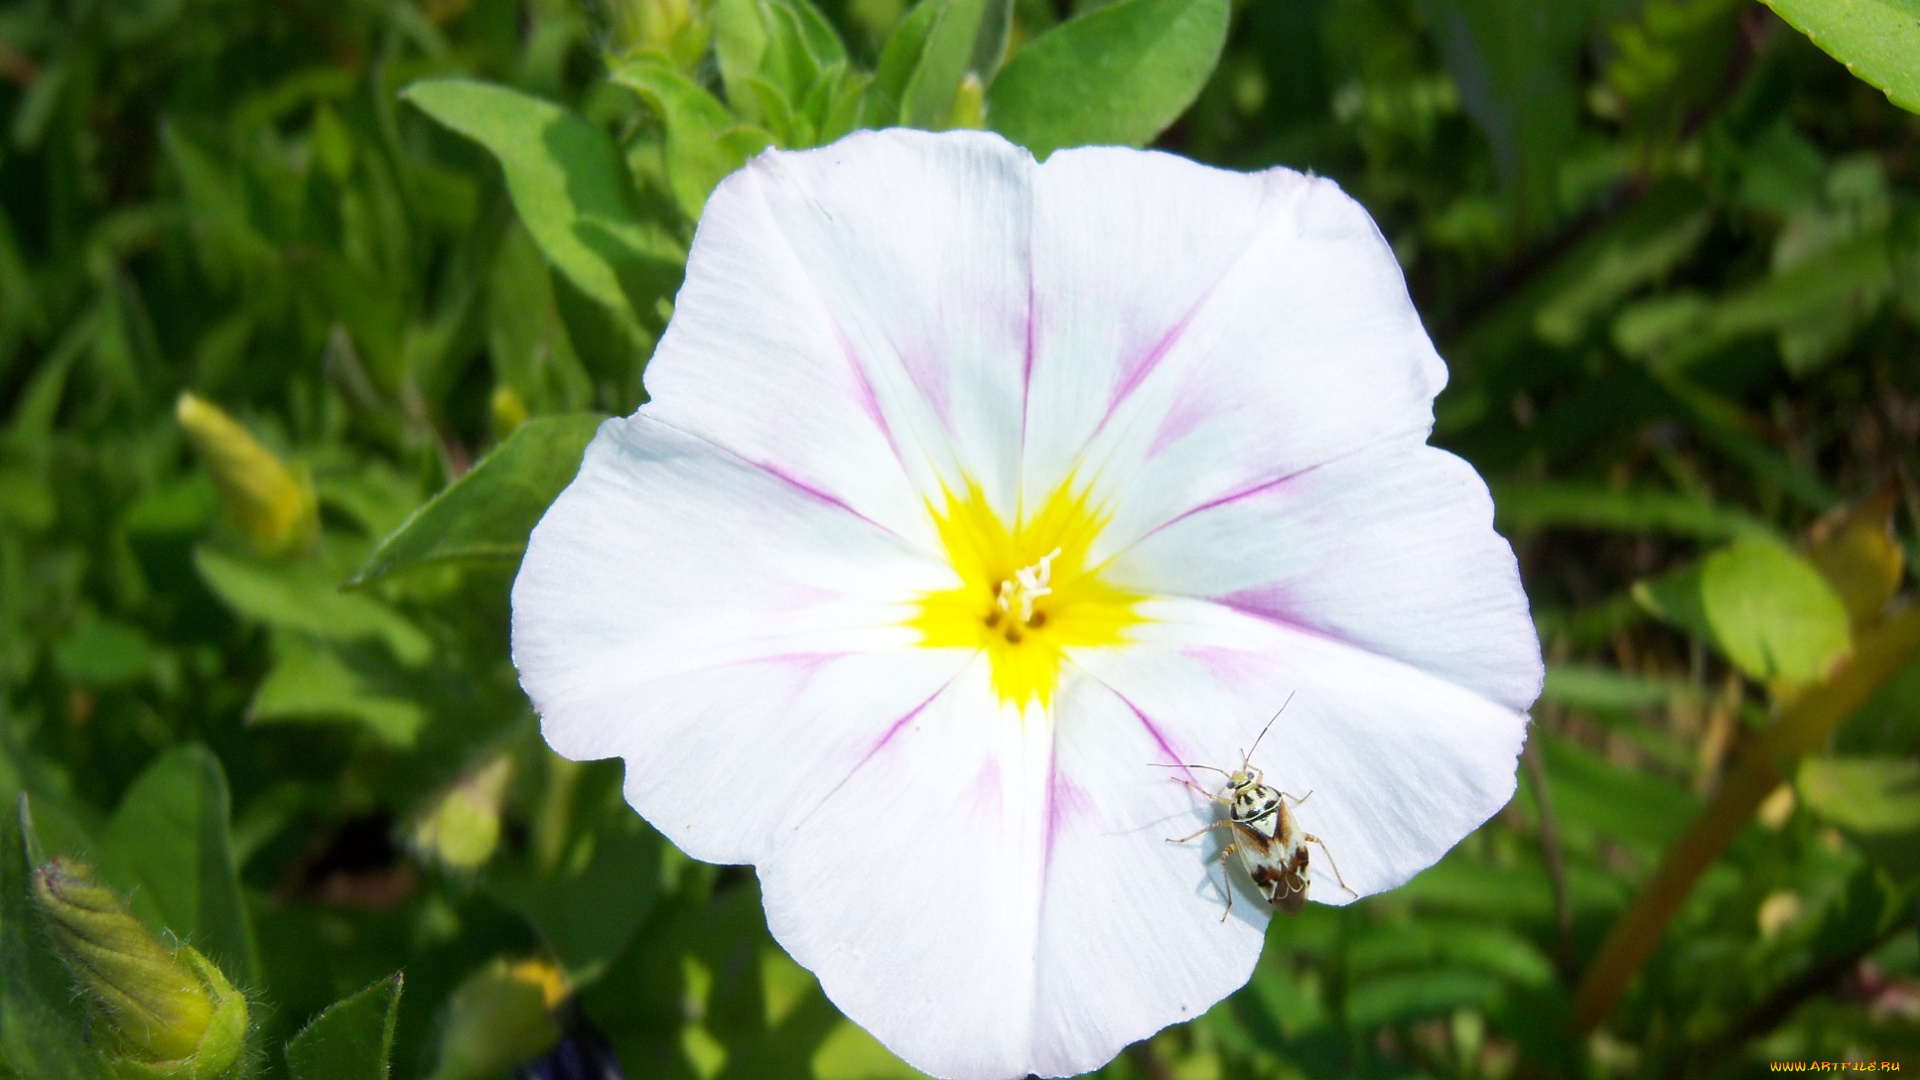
(1271, 845)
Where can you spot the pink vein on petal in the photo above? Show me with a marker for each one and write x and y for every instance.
(771, 470)
(1026, 359)
(1267, 603)
(1063, 797)
(1226, 500)
(1237, 496)
(869, 401)
(1143, 365)
(801, 485)
(878, 744)
(1153, 731)
(894, 729)
(1189, 411)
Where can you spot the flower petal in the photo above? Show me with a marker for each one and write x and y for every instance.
(992, 894)
(1131, 932)
(872, 296)
(1197, 332)
(1390, 548)
(722, 629)
(1400, 764)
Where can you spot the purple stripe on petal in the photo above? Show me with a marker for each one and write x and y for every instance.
(1272, 603)
(985, 788)
(878, 745)
(771, 470)
(1224, 500)
(1065, 799)
(1189, 411)
(1143, 365)
(1026, 358)
(1153, 732)
(826, 497)
(892, 730)
(1243, 494)
(869, 401)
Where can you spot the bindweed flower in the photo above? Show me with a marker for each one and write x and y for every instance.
(971, 490)
(162, 1012)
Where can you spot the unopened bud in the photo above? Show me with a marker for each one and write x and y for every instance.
(674, 29)
(969, 104)
(509, 411)
(500, 1017)
(162, 1012)
(273, 504)
(462, 827)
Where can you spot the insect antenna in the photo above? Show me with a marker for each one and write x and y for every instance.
(1183, 765)
(1248, 756)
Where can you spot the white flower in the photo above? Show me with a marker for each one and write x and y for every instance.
(971, 489)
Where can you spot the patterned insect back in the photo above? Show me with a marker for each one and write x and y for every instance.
(1271, 846)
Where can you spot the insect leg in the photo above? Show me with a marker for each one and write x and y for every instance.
(1298, 800)
(1226, 879)
(1336, 866)
(1203, 832)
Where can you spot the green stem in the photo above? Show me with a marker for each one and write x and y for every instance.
(1804, 724)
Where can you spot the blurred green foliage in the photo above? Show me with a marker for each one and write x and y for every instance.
(1670, 248)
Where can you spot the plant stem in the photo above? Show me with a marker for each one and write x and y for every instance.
(1804, 724)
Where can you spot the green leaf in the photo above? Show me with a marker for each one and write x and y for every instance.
(1118, 75)
(42, 1030)
(588, 911)
(488, 513)
(168, 847)
(1876, 800)
(1640, 243)
(785, 44)
(1772, 613)
(849, 1053)
(1582, 686)
(899, 60)
(103, 653)
(1761, 605)
(1864, 794)
(1613, 271)
(1813, 306)
(811, 30)
(1546, 505)
(570, 187)
(1878, 40)
(312, 681)
(704, 141)
(955, 44)
(351, 1039)
(1513, 62)
(739, 43)
(303, 597)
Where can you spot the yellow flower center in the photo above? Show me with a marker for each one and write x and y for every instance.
(1028, 591)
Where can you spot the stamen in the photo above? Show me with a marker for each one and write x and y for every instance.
(1030, 583)
(1016, 597)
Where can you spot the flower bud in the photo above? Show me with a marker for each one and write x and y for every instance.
(675, 29)
(273, 504)
(462, 827)
(509, 410)
(500, 1017)
(161, 1012)
(969, 104)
